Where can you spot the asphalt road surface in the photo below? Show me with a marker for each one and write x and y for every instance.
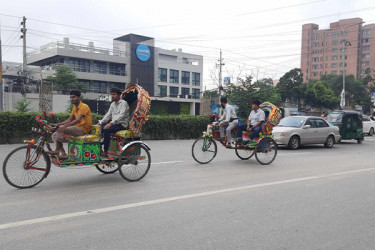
(311, 198)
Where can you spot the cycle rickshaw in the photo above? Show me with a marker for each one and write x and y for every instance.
(28, 165)
(204, 149)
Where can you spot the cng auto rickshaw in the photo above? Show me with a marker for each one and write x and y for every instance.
(349, 123)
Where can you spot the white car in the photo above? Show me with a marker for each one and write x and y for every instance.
(368, 125)
(295, 131)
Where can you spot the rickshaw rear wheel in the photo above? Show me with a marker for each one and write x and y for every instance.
(204, 150)
(107, 168)
(244, 154)
(135, 163)
(18, 173)
(266, 151)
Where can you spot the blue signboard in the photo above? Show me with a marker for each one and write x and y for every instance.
(143, 52)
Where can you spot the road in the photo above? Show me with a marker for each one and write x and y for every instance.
(312, 198)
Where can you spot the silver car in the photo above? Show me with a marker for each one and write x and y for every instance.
(295, 131)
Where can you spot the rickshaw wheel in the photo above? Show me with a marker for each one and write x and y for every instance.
(107, 168)
(360, 140)
(136, 164)
(18, 174)
(266, 151)
(244, 154)
(204, 150)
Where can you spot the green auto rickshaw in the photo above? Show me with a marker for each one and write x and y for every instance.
(349, 123)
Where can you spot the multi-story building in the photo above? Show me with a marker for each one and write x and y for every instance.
(346, 44)
(170, 76)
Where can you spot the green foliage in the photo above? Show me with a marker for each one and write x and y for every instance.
(65, 79)
(184, 109)
(288, 86)
(22, 105)
(13, 124)
(211, 94)
(69, 108)
(243, 94)
(159, 108)
(318, 95)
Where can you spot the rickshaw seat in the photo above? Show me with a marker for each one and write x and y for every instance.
(86, 138)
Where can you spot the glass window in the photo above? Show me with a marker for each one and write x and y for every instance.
(335, 34)
(335, 42)
(333, 65)
(79, 65)
(366, 40)
(173, 76)
(315, 59)
(162, 73)
(173, 91)
(315, 66)
(366, 48)
(117, 69)
(196, 93)
(185, 92)
(334, 57)
(162, 90)
(196, 79)
(366, 56)
(335, 50)
(365, 63)
(366, 32)
(100, 67)
(292, 121)
(185, 78)
(98, 87)
(320, 123)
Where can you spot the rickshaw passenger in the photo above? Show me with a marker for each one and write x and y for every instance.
(118, 115)
(229, 118)
(79, 123)
(254, 122)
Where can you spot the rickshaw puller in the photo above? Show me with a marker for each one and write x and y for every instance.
(229, 118)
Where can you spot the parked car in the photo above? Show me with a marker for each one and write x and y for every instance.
(368, 125)
(295, 131)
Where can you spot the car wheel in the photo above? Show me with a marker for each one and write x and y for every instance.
(294, 142)
(371, 132)
(329, 142)
(360, 140)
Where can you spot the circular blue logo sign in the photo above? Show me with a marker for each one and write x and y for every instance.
(143, 52)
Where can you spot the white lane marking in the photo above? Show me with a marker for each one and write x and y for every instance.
(165, 162)
(175, 198)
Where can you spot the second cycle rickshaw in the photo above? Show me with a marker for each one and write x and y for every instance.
(204, 149)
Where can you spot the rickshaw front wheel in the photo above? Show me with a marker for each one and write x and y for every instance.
(26, 166)
(204, 150)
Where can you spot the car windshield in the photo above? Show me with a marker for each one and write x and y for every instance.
(335, 117)
(292, 121)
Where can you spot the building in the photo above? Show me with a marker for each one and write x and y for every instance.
(172, 78)
(347, 43)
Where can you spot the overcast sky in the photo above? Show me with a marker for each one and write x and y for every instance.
(259, 38)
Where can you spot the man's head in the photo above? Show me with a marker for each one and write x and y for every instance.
(223, 101)
(75, 97)
(255, 104)
(115, 94)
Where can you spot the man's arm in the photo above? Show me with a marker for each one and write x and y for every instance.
(71, 118)
(71, 123)
(107, 116)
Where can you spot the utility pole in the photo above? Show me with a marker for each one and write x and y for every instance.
(23, 31)
(1, 79)
(221, 64)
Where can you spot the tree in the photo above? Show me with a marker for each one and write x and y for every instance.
(289, 84)
(22, 105)
(65, 79)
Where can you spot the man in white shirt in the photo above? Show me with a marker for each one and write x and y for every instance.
(254, 123)
(229, 118)
(118, 115)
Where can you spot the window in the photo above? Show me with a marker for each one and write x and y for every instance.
(334, 72)
(117, 69)
(196, 79)
(341, 65)
(100, 67)
(345, 57)
(79, 65)
(162, 75)
(316, 37)
(333, 65)
(162, 91)
(366, 119)
(335, 42)
(316, 45)
(98, 87)
(196, 93)
(335, 50)
(185, 92)
(366, 56)
(334, 57)
(185, 77)
(366, 32)
(365, 40)
(173, 91)
(320, 123)
(344, 33)
(315, 51)
(315, 73)
(315, 66)
(315, 59)
(366, 48)
(364, 64)
(335, 34)
(173, 76)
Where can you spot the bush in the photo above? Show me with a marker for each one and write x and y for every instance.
(16, 124)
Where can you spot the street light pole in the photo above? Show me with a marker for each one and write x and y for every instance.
(343, 42)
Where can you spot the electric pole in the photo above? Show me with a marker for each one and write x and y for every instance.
(1, 79)
(220, 65)
(23, 31)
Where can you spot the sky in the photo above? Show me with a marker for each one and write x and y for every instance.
(257, 38)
